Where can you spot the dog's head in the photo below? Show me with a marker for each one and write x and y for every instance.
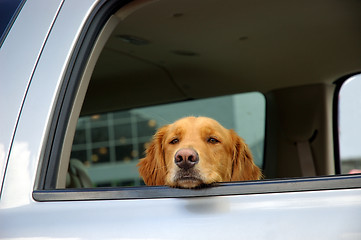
(196, 151)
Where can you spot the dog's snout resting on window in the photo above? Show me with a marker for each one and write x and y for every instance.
(194, 152)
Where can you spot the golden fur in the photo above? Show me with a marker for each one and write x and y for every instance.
(197, 151)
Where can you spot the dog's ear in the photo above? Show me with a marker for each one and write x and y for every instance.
(153, 168)
(243, 167)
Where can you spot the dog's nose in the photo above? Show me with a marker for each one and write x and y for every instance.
(186, 158)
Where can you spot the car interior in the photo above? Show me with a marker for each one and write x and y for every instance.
(272, 70)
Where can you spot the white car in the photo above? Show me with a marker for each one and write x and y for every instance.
(85, 84)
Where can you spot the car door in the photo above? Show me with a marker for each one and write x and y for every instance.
(35, 203)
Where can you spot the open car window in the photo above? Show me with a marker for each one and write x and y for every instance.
(141, 67)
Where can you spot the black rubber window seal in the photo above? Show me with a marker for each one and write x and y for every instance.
(338, 182)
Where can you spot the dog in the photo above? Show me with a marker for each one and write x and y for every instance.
(194, 152)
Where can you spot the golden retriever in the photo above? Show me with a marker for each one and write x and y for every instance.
(194, 152)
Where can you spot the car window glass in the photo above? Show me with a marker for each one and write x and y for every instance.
(349, 125)
(8, 10)
(110, 144)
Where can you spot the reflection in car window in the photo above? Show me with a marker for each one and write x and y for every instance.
(111, 144)
(8, 10)
(349, 125)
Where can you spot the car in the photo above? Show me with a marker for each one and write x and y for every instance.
(85, 84)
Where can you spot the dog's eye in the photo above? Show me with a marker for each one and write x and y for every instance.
(174, 141)
(213, 140)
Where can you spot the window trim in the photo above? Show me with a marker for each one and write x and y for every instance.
(49, 167)
(336, 182)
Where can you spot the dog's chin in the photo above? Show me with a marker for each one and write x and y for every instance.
(188, 179)
(188, 182)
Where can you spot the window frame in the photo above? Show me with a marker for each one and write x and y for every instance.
(47, 176)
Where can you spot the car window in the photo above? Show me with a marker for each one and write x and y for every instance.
(111, 144)
(141, 67)
(8, 10)
(349, 125)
